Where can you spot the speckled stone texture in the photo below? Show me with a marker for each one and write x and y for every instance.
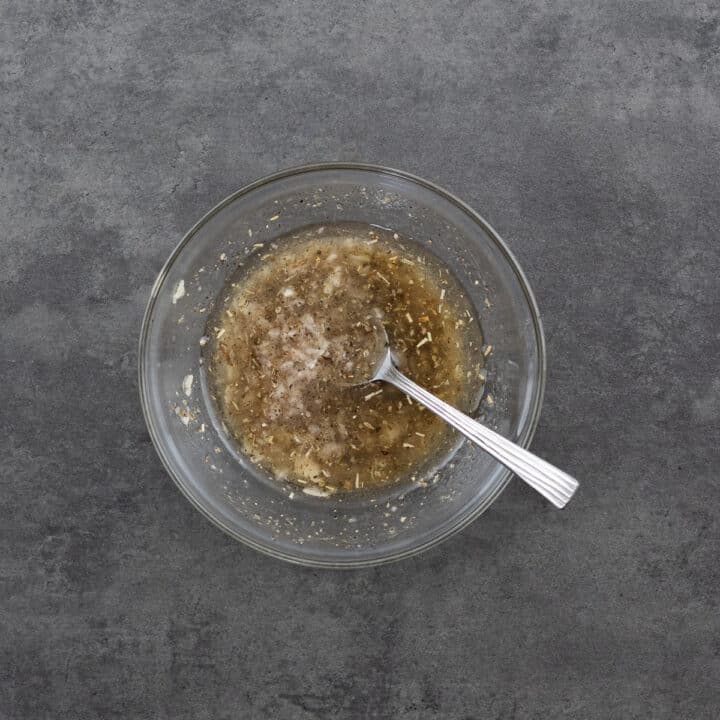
(588, 134)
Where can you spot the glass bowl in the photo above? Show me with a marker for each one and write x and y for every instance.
(343, 530)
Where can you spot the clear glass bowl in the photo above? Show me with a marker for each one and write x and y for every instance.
(351, 530)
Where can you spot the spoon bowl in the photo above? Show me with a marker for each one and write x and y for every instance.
(552, 483)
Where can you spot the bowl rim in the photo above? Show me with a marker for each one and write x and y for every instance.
(524, 440)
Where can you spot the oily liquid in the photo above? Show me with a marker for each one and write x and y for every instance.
(300, 317)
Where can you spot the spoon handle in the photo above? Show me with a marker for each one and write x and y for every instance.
(555, 485)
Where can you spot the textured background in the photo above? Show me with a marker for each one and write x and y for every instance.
(588, 134)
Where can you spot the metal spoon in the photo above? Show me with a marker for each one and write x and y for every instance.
(555, 485)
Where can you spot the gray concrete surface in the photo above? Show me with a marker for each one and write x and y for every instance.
(588, 134)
